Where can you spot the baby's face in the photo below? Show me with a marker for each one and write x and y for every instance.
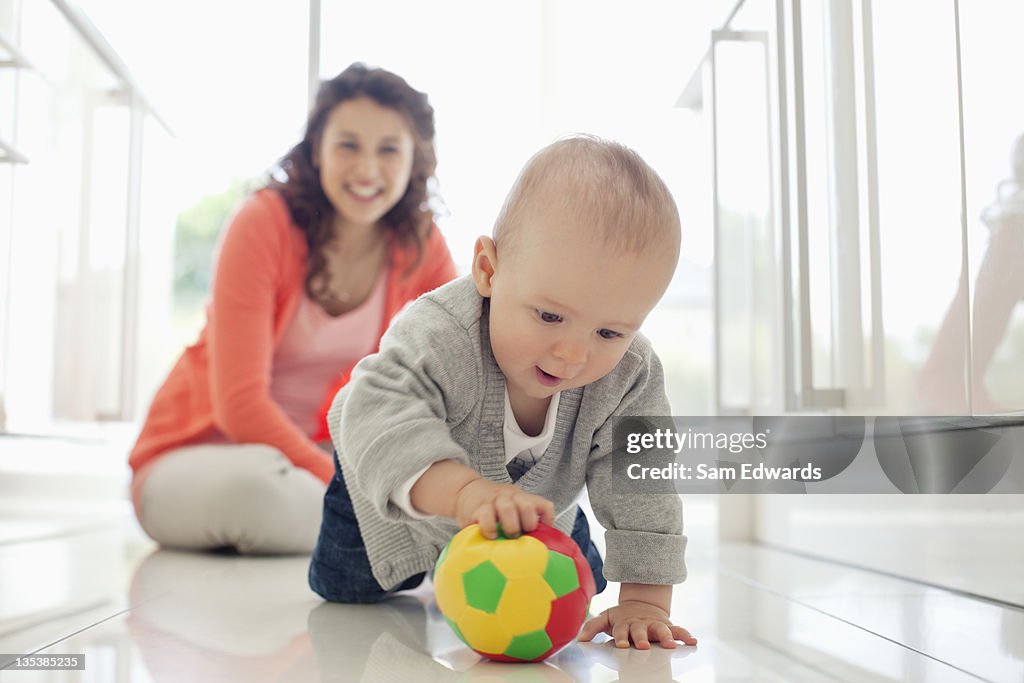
(564, 310)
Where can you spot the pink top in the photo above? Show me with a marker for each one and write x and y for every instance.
(316, 348)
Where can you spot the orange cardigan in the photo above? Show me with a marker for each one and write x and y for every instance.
(223, 380)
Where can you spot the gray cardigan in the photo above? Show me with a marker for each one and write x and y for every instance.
(434, 392)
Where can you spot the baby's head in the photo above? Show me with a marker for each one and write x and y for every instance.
(583, 249)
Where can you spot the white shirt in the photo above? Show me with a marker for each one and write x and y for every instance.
(527, 450)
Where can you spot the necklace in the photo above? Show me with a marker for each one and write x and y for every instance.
(349, 277)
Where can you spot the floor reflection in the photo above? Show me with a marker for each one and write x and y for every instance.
(254, 619)
(231, 618)
(760, 615)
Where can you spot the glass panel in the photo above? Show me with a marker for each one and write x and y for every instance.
(103, 277)
(8, 26)
(157, 347)
(918, 194)
(814, 33)
(745, 261)
(35, 216)
(9, 18)
(871, 357)
(993, 129)
(6, 195)
(8, 76)
(8, 88)
(68, 228)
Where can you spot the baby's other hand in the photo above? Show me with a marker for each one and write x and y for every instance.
(639, 622)
(489, 503)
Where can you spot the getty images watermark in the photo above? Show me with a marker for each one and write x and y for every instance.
(818, 454)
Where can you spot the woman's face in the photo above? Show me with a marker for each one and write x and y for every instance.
(364, 159)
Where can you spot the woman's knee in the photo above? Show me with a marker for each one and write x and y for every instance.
(274, 509)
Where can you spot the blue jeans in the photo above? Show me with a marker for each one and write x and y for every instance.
(340, 569)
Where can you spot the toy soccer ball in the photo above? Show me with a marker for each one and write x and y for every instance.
(514, 599)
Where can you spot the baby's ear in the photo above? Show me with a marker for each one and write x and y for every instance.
(485, 263)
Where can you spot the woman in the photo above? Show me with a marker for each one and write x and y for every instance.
(309, 272)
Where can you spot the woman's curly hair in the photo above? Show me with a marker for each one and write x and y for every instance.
(410, 220)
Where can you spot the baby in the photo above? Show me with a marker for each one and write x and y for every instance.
(492, 398)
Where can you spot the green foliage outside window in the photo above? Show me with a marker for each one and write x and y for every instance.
(195, 242)
(195, 239)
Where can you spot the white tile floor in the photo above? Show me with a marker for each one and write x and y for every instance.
(78, 576)
(142, 614)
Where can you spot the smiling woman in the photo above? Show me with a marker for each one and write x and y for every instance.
(364, 161)
(309, 273)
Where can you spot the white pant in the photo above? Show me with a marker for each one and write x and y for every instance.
(246, 496)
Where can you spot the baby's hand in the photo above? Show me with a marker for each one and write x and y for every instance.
(489, 503)
(639, 622)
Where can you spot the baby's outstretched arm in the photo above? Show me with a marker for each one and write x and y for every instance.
(451, 489)
(641, 616)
